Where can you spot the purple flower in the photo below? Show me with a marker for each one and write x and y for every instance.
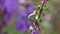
(11, 5)
(30, 9)
(43, 1)
(3, 23)
(29, 23)
(2, 4)
(35, 32)
(21, 26)
(23, 15)
(7, 17)
(23, 22)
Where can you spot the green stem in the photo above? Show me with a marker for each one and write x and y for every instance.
(39, 15)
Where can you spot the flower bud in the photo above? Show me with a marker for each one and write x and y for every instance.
(43, 1)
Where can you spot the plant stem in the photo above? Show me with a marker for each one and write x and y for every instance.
(39, 15)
